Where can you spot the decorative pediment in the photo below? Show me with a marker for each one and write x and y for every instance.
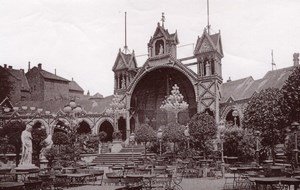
(162, 33)
(206, 46)
(125, 61)
(209, 43)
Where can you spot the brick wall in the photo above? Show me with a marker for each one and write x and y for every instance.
(36, 83)
(54, 89)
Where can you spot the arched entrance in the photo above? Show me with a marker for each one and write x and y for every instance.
(151, 91)
(232, 118)
(60, 127)
(108, 129)
(84, 128)
(122, 127)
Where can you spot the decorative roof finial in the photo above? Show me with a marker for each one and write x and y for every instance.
(163, 19)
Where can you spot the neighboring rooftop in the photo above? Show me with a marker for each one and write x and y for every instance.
(244, 88)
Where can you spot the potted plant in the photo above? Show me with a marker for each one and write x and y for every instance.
(117, 135)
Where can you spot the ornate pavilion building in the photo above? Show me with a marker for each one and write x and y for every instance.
(143, 89)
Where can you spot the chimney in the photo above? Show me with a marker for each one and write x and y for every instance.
(40, 66)
(28, 65)
(5, 66)
(72, 79)
(296, 59)
(88, 93)
(10, 67)
(229, 80)
(55, 71)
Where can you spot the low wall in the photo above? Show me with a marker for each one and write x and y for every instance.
(88, 158)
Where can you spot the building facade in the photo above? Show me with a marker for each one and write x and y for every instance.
(143, 89)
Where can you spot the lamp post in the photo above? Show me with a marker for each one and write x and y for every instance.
(132, 141)
(72, 111)
(295, 128)
(187, 135)
(257, 134)
(159, 137)
(221, 133)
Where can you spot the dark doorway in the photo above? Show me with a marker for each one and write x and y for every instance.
(132, 125)
(84, 128)
(122, 127)
(108, 129)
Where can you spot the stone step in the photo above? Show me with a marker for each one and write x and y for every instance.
(115, 158)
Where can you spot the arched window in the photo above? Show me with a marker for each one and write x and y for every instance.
(159, 47)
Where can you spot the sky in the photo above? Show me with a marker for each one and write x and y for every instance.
(81, 38)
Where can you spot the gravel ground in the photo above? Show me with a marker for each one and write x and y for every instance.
(186, 184)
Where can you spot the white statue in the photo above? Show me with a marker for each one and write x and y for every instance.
(161, 49)
(46, 143)
(26, 139)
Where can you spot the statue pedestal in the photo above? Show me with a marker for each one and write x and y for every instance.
(43, 163)
(26, 168)
(116, 147)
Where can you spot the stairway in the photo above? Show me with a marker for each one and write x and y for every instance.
(126, 154)
(280, 157)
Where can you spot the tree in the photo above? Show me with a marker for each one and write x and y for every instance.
(291, 97)
(6, 86)
(174, 133)
(174, 102)
(264, 114)
(203, 130)
(13, 131)
(239, 142)
(143, 134)
(59, 139)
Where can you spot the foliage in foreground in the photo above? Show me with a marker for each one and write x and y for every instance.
(264, 114)
(202, 130)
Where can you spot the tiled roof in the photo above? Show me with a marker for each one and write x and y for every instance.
(236, 89)
(19, 74)
(246, 87)
(127, 57)
(96, 96)
(49, 75)
(90, 106)
(215, 38)
(74, 86)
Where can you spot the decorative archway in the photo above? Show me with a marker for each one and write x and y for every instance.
(152, 88)
(107, 127)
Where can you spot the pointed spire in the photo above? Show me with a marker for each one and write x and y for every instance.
(163, 19)
(208, 25)
(125, 46)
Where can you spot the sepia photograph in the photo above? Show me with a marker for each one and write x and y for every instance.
(139, 94)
